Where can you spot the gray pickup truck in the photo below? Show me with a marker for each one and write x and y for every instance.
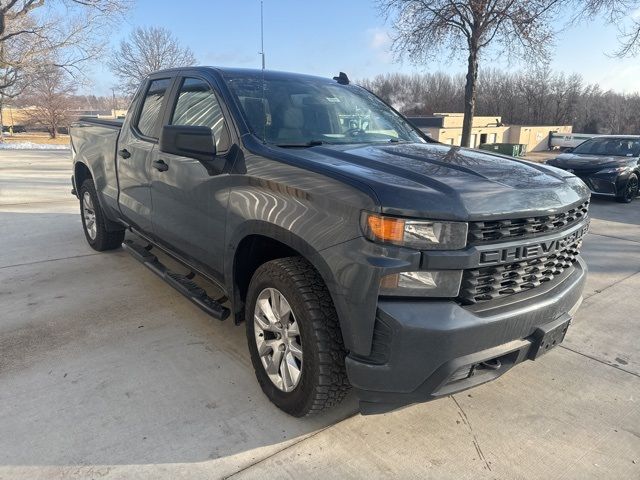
(358, 252)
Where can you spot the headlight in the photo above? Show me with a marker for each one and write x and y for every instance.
(614, 170)
(419, 234)
(442, 283)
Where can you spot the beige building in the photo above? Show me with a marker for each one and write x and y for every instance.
(447, 128)
(12, 116)
(535, 137)
(15, 116)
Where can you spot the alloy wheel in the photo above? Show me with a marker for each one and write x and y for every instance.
(277, 335)
(89, 214)
(631, 190)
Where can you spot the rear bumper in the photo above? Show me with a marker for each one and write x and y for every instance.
(426, 350)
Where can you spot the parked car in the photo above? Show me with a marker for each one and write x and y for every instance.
(608, 164)
(358, 252)
(14, 129)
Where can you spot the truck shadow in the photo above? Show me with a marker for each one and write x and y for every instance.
(102, 363)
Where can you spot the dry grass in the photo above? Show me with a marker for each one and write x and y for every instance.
(40, 138)
(541, 157)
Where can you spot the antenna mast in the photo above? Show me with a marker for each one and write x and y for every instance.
(262, 33)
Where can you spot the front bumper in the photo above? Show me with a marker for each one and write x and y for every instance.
(604, 183)
(424, 350)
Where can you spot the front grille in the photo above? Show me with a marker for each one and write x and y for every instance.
(502, 230)
(600, 185)
(490, 283)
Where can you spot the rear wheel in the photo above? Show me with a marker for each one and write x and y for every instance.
(294, 337)
(94, 220)
(630, 190)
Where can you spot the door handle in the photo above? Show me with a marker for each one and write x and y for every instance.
(160, 166)
(124, 153)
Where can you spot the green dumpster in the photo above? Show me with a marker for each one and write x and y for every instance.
(512, 149)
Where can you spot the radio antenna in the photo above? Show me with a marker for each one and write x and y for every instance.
(263, 106)
(262, 33)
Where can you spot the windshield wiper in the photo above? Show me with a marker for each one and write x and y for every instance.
(311, 143)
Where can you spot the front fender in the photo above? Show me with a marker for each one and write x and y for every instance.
(302, 247)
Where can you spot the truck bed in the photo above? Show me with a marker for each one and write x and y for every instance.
(96, 140)
(106, 122)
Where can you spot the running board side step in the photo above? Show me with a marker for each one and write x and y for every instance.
(182, 283)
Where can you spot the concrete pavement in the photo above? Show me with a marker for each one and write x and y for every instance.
(107, 372)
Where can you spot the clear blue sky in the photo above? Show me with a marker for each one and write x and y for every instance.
(326, 36)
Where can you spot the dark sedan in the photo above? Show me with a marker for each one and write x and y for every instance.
(609, 165)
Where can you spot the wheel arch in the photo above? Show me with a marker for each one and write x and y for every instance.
(260, 242)
(81, 172)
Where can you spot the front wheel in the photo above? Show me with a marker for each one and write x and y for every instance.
(294, 337)
(630, 190)
(94, 220)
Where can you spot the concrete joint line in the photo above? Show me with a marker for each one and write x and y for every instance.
(600, 361)
(612, 236)
(596, 292)
(474, 438)
(48, 260)
(45, 202)
(257, 462)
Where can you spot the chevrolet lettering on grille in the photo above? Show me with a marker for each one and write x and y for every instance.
(524, 252)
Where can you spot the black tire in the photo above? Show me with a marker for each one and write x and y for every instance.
(630, 190)
(104, 239)
(323, 382)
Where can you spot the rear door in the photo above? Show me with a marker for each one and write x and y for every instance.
(137, 141)
(189, 199)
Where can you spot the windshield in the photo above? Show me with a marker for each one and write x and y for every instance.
(622, 147)
(306, 111)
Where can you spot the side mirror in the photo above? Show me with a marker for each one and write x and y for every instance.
(188, 141)
(568, 150)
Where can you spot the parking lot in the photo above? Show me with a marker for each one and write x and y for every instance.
(107, 372)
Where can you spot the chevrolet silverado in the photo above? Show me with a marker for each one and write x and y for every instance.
(358, 252)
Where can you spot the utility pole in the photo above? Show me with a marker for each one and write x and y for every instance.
(115, 102)
(262, 33)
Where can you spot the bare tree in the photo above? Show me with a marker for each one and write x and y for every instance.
(624, 14)
(50, 97)
(423, 28)
(145, 51)
(533, 96)
(40, 33)
(69, 31)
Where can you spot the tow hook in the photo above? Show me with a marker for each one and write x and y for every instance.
(493, 364)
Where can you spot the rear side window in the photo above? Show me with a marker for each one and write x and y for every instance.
(197, 105)
(151, 106)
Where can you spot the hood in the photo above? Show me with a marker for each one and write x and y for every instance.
(577, 161)
(443, 182)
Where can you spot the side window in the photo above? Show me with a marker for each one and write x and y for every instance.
(152, 104)
(197, 105)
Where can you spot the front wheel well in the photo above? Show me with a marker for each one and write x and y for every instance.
(252, 252)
